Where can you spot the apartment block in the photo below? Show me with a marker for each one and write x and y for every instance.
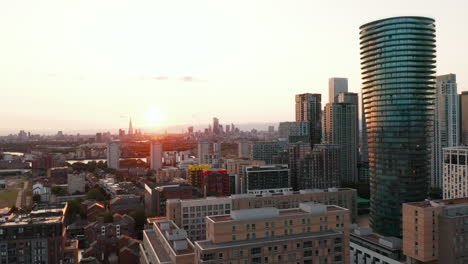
(76, 183)
(165, 243)
(195, 175)
(436, 231)
(371, 248)
(311, 233)
(38, 237)
(155, 198)
(266, 150)
(266, 179)
(455, 172)
(235, 167)
(190, 214)
(215, 182)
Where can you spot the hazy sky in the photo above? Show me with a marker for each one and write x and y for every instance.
(88, 65)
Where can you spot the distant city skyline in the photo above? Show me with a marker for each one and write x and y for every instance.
(167, 64)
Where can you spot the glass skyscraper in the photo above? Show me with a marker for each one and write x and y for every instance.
(398, 89)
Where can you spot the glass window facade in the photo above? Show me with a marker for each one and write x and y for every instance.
(398, 72)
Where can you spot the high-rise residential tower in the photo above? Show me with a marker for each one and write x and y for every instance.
(340, 122)
(216, 129)
(446, 124)
(309, 109)
(113, 155)
(398, 74)
(156, 152)
(464, 117)
(335, 87)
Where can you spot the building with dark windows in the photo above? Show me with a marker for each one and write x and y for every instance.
(267, 179)
(309, 109)
(340, 125)
(320, 168)
(38, 237)
(216, 182)
(398, 89)
(446, 124)
(266, 150)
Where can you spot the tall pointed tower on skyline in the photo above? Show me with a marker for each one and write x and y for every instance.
(130, 127)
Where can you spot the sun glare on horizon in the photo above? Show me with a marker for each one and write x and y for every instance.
(154, 116)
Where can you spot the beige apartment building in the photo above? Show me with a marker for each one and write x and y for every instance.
(311, 233)
(436, 231)
(190, 214)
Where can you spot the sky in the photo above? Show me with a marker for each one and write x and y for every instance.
(89, 65)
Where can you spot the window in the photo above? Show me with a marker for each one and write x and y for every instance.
(117, 230)
(256, 250)
(307, 244)
(220, 255)
(233, 237)
(233, 228)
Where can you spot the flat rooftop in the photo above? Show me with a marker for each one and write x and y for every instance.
(250, 214)
(208, 244)
(172, 227)
(434, 203)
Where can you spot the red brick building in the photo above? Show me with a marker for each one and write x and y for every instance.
(215, 182)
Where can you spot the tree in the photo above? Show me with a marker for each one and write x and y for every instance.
(108, 216)
(140, 218)
(96, 193)
(74, 209)
(58, 191)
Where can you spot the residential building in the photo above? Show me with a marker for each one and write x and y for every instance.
(38, 237)
(156, 153)
(216, 182)
(312, 233)
(190, 214)
(125, 204)
(266, 179)
(76, 183)
(155, 198)
(463, 102)
(455, 172)
(435, 231)
(283, 129)
(309, 109)
(398, 94)
(38, 188)
(113, 154)
(235, 167)
(244, 149)
(340, 124)
(266, 150)
(446, 124)
(209, 153)
(164, 242)
(299, 132)
(195, 175)
(335, 87)
(371, 248)
(320, 168)
(94, 210)
(113, 242)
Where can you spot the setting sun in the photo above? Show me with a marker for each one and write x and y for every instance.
(155, 116)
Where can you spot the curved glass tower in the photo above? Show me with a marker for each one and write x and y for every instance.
(398, 91)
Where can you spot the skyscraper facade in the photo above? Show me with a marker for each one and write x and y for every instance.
(446, 124)
(309, 109)
(341, 127)
(216, 128)
(320, 168)
(113, 155)
(398, 67)
(156, 153)
(464, 117)
(335, 87)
